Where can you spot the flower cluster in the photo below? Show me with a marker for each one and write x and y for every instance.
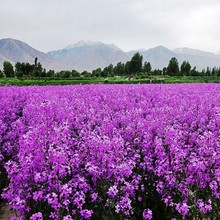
(111, 151)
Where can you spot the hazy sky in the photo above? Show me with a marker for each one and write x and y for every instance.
(130, 24)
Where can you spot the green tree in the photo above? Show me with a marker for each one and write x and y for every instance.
(104, 72)
(8, 69)
(147, 67)
(119, 69)
(164, 71)
(110, 70)
(218, 74)
(208, 71)
(107, 71)
(86, 74)
(50, 73)
(185, 68)
(43, 73)
(1, 74)
(136, 63)
(23, 69)
(37, 69)
(65, 74)
(29, 69)
(75, 73)
(18, 70)
(157, 72)
(214, 72)
(97, 72)
(127, 68)
(194, 72)
(173, 67)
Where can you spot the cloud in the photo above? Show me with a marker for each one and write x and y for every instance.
(53, 24)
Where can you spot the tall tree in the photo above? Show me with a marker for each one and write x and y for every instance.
(97, 72)
(208, 71)
(50, 73)
(75, 73)
(194, 72)
(38, 69)
(173, 67)
(35, 61)
(185, 68)
(107, 71)
(8, 69)
(119, 69)
(1, 74)
(136, 63)
(127, 68)
(147, 67)
(18, 70)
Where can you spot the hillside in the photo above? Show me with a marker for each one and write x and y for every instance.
(18, 51)
(88, 55)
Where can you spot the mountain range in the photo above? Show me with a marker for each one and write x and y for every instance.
(88, 55)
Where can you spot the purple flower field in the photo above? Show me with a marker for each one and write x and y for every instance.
(111, 151)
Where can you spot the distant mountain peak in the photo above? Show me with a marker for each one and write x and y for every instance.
(13, 45)
(89, 55)
(160, 48)
(189, 51)
(84, 43)
(17, 51)
(10, 41)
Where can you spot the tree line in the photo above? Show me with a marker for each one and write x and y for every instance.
(133, 67)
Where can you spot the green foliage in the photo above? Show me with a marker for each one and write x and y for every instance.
(133, 69)
(50, 73)
(147, 67)
(18, 70)
(185, 68)
(119, 69)
(27, 69)
(107, 71)
(75, 73)
(157, 72)
(1, 74)
(111, 80)
(173, 67)
(164, 71)
(43, 73)
(8, 69)
(97, 72)
(194, 72)
(86, 74)
(127, 68)
(135, 65)
(65, 74)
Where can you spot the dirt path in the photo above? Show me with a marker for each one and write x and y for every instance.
(5, 213)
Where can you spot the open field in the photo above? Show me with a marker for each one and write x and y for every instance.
(109, 80)
(108, 152)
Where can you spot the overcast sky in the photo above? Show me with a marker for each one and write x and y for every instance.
(130, 24)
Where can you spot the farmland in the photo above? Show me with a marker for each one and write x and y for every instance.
(109, 80)
(147, 151)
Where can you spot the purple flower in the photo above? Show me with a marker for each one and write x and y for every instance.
(182, 208)
(67, 217)
(112, 191)
(37, 216)
(86, 214)
(77, 148)
(147, 214)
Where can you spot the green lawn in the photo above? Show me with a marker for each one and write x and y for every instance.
(109, 80)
